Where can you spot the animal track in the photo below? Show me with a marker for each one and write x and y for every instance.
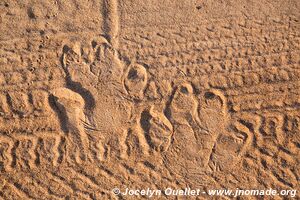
(158, 130)
(136, 80)
(71, 107)
(203, 123)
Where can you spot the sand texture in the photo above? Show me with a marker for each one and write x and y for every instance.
(103, 94)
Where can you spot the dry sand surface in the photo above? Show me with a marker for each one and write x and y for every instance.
(148, 94)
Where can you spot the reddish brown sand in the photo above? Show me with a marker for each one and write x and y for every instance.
(103, 94)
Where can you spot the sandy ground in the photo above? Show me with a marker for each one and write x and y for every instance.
(148, 94)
